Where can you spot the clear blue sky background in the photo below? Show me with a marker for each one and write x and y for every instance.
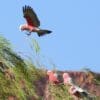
(75, 41)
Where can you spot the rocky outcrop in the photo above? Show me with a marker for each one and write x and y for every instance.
(87, 81)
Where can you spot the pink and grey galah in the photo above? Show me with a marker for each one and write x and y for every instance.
(33, 22)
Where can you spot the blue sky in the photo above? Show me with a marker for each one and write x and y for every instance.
(75, 41)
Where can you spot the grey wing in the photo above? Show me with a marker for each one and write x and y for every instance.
(31, 16)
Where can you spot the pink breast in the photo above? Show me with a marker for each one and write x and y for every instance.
(66, 78)
(52, 78)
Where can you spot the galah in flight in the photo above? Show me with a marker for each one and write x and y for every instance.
(33, 22)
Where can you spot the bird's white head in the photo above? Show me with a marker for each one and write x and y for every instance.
(20, 27)
(23, 27)
(48, 72)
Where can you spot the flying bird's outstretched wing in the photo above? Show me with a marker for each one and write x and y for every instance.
(31, 16)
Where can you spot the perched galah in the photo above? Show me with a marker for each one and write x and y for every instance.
(67, 79)
(33, 22)
(52, 77)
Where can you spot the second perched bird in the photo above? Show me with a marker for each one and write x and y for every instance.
(33, 22)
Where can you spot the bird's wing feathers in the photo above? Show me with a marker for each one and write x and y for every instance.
(31, 16)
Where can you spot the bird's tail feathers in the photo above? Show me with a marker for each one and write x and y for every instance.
(43, 32)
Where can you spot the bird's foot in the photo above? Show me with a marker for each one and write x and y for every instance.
(28, 34)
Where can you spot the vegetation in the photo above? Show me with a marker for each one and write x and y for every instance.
(20, 78)
(16, 74)
(60, 92)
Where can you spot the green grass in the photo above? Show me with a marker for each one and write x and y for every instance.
(22, 70)
(59, 92)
